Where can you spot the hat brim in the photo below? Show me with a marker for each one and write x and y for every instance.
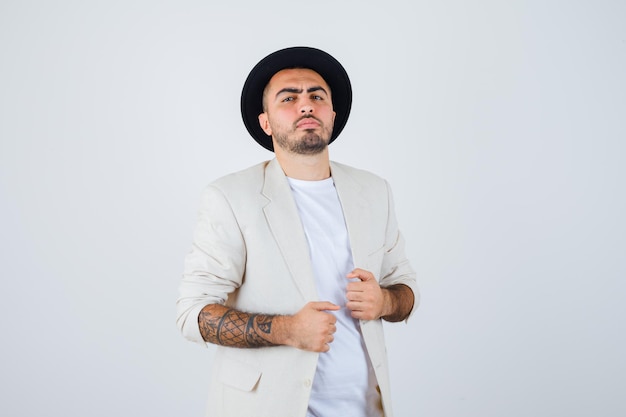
(297, 57)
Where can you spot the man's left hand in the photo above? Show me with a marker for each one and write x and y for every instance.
(365, 298)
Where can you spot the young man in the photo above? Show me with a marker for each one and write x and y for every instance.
(296, 260)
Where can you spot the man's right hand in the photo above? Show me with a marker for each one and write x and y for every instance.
(312, 327)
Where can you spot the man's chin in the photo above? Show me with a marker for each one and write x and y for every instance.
(311, 150)
(310, 144)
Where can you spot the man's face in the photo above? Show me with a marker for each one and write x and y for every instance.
(298, 111)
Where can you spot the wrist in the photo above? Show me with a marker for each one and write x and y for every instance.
(387, 308)
(281, 334)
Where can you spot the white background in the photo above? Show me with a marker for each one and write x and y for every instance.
(500, 125)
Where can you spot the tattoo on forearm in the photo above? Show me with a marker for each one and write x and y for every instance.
(265, 323)
(258, 329)
(235, 328)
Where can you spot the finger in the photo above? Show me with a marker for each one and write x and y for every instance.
(354, 295)
(354, 306)
(357, 314)
(358, 286)
(324, 305)
(361, 274)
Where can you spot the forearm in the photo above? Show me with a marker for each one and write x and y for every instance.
(225, 326)
(311, 328)
(398, 302)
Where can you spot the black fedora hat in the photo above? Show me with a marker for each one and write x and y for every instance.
(296, 57)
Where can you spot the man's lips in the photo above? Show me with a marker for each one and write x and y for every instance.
(308, 123)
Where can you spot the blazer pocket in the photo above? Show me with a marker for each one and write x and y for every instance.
(238, 375)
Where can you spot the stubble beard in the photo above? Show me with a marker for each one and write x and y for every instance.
(310, 143)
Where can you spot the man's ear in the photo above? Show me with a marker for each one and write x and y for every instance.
(265, 124)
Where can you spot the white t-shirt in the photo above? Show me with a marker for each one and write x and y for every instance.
(344, 384)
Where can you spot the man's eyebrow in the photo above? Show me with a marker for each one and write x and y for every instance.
(317, 88)
(289, 90)
(299, 90)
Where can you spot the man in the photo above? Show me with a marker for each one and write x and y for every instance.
(295, 261)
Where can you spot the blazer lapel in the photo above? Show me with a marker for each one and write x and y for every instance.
(356, 213)
(284, 222)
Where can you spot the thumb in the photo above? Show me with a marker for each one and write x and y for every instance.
(361, 274)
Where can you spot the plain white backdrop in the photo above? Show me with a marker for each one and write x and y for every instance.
(500, 125)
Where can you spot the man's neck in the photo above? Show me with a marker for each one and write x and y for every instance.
(304, 167)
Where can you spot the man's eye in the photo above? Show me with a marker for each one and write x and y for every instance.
(318, 98)
(288, 99)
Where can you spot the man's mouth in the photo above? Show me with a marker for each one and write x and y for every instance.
(308, 123)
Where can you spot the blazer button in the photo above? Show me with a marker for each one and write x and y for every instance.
(307, 383)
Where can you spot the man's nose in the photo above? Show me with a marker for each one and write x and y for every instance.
(306, 108)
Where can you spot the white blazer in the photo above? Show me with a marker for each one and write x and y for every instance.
(250, 253)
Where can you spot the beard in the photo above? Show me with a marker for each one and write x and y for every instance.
(308, 144)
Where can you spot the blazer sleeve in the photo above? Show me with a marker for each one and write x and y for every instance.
(396, 268)
(215, 265)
